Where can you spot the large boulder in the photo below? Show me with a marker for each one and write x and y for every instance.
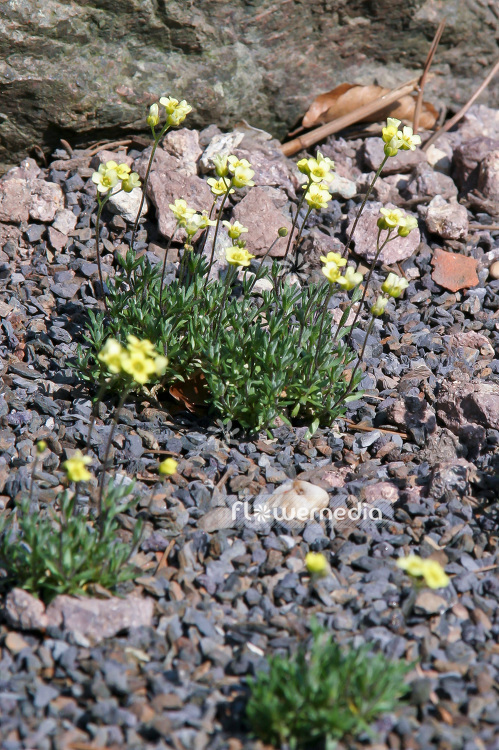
(83, 70)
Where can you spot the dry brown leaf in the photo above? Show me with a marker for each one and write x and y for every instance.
(347, 97)
(192, 393)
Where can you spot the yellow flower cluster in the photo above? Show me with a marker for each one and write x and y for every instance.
(189, 218)
(394, 218)
(331, 270)
(110, 174)
(75, 467)
(139, 359)
(430, 570)
(176, 112)
(396, 139)
(232, 173)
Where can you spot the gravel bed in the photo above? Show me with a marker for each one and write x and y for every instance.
(223, 594)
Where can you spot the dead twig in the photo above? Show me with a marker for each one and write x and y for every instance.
(366, 428)
(164, 557)
(450, 123)
(108, 145)
(422, 80)
(318, 134)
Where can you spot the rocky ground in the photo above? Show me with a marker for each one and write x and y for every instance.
(165, 667)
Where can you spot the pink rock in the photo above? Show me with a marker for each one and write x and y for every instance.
(46, 199)
(366, 233)
(448, 220)
(57, 239)
(24, 611)
(184, 145)
(461, 404)
(429, 183)
(97, 619)
(172, 178)
(262, 211)
(488, 177)
(94, 619)
(14, 200)
(467, 158)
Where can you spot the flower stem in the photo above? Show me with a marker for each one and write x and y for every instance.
(379, 248)
(366, 197)
(97, 248)
(228, 281)
(146, 181)
(323, 317)
(164, 267)
(295, 220)
(106, 453)
(357, 365)
(219, 216)
(93, 414)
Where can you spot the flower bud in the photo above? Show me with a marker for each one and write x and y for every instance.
(153, 117)
(282, 232)
(41, 446)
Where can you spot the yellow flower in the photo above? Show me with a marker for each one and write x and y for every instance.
(320, 168)
(408, 140)
(220, 164)
(122, 170)
(179, 114)
(316, 564)
(392, 147)
(180, 210)
(197, 222)
(138, 365)
(334, 258)
(242, 176)
(303, 166)
(130, 182)
(238, 256)
(145, 346)
(169, 103)
(235, 163)
(351, 279)
(41, 446)
(434, 575)
(391, 218)
(412, 564)
(406, 225)
(391, 129)
(331, 272)
(153, 117)
(160, 363)
(379, 307)
(394, 285)
(317, 196)
(105, 179)
(234, 230)
(75, 468)
(110, 355)
(168, 466)
(219, 187)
